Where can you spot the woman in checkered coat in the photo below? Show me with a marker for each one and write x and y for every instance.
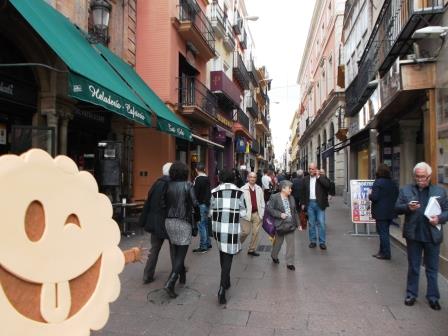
(226, 208)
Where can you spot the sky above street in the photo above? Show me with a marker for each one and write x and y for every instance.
(280, 35)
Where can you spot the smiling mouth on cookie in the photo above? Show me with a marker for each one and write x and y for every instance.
(52, 302)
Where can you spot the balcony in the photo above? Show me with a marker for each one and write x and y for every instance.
(390, 38)
(240, 73)
(226, 91)
(242, 123)
(253, 73)
(397, 22)
(229, 39)
(255, 147)
(251, 105)
(238, 23)
(262, 151)
(195, 29)
(262, 123)
(243, 39)
(218, 20)
(196, 101)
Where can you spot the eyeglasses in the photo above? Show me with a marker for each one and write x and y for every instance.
(422, 177)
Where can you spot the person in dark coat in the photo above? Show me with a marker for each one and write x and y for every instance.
(314, 199)
(384, 195)
(423, 235)
(152, 220)
(297, 180)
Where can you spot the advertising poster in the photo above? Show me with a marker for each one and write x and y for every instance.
(360, 204)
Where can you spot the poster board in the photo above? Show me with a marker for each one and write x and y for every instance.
(361, 208)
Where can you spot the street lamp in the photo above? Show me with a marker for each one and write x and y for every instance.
(100, 10)
(248, 18)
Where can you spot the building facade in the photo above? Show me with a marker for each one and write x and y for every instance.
(321, 97)
(395, 91)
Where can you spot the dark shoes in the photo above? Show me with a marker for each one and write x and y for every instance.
(323, 246)
(209, 247)
(222, 295)
(169, 285)
(382, 257)
(291, 267)
(434, 304)
(409, 301)
(253, 253)
(275, 260)
(312, 245)
(148, 280)
(200, 250)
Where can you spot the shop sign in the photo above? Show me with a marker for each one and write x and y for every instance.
(7, 88)
(18, 91)
(240, 145)
(173, 129)
(361, 207)
(224, 120)
(85, 90)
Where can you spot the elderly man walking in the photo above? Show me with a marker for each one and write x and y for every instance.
(254, 199)
(423, 235)
(314, 198)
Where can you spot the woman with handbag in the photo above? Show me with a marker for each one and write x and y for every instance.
(226, 209)
(282, 207)
(180, 202)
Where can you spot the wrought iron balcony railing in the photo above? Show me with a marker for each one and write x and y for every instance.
(243, 39)
(218, 19)
(253, 73)
(238, 23)
(243, 119)
(251, 105)
(255, 147)
(189, 10)
(261, 150)
(240, 72)
(193, 93)
(229, 39)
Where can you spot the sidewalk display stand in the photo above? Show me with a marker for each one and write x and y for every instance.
(360, 205)
(59, 254)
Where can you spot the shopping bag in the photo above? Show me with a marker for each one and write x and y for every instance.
(303, 217)
(268, 224)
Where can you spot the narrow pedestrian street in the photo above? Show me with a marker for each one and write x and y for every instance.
(341, 291)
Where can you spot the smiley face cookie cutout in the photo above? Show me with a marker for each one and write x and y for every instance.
(59, 254)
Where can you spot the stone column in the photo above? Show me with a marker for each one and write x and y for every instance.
(63, 131)
(408, 149)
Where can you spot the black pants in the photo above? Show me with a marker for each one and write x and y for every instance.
(156, 245)
(226, 264)
(179, 253)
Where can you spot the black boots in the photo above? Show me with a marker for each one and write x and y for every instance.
(183, 277)
(222, 295)
(169, 285)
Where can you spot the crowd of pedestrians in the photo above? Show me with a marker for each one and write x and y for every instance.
(234, 211)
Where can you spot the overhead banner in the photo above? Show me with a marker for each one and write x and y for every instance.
(361, 207)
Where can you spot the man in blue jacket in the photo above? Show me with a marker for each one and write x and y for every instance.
(423, 235)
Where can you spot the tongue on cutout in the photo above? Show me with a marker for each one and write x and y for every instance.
(55, 301)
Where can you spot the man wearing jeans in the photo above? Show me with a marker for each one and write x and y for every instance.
(314, 198)
(203, 194)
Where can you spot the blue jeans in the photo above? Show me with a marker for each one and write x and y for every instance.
(431, 257)
(316, 218)
(202, 227)
(382, 227)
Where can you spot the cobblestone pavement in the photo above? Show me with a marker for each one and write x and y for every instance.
(340, 291)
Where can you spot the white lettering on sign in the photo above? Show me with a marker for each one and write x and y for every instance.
(8, 89)
(132, 111)
(101, 96)
(176, 130)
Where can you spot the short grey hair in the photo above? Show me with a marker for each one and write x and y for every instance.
(300, 172)
(284, 183)
(166, 168)
(423, 165)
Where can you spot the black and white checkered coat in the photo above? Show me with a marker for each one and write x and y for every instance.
(227, 207)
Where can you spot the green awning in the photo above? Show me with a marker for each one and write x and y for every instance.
(91, 78)
(167, 121)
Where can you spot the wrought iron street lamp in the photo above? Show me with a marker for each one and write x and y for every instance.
(100, 10)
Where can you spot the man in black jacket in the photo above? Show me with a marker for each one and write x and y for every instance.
(153, 220)
(314, 198)
(203, 194)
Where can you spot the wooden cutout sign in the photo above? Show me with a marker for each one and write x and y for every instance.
(59, 254)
